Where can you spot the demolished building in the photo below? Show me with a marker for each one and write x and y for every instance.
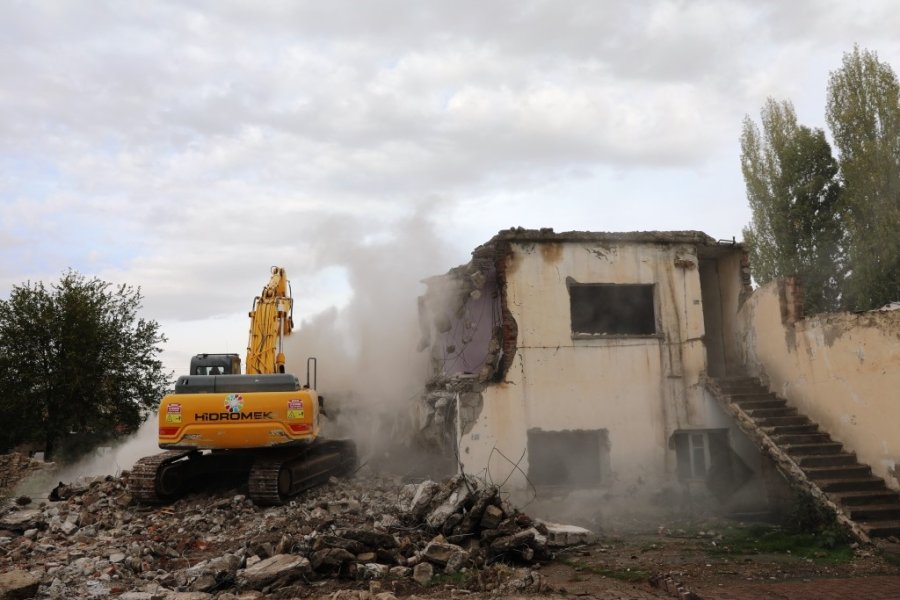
(577, 360)
(643, 364)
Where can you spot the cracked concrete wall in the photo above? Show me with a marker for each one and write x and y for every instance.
(639, 388)
(840, 369)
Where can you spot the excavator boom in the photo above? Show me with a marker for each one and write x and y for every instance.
(271, 319)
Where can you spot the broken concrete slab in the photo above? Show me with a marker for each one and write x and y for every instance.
(281, 567)
(369, 538)
(440, 553)
(21, 520)
(18, 585)
(559, 535)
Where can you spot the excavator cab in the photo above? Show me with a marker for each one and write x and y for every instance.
(215, 364)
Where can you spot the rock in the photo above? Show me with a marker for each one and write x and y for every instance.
(116, 557)
(374, 571)
(387, 521)
(516, 540)
(281, 567)
(452, 503)
(384, 596)
(330, 559)
(68, 527)
(18, 585)
(21, 520)
(333, 541)
(400, 572)
(559, 535)
(422, 498)
(456, 562)
(136, 596)
(370, 539)
(491, 517)
(188, 596)
(422, 573)
(440, 553)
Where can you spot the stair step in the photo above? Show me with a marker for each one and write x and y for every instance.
(783, 411)
(851, 485)
(752, 404)
(826, 460)
(882, 529)
(792, 439)
(839, 472)
(862, 498)
(789, 429)
(810, 449)
(876, 512)
(778, 421)
(743, 389)
(743, 395)
(738, 380)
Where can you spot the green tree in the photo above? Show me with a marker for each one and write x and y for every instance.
(863, 113)
(791, 180)
(77, 364)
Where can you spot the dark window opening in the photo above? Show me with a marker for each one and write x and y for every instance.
(702, 453)
(577, 458)
(613, 309)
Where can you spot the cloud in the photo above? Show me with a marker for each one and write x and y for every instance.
(186, 148)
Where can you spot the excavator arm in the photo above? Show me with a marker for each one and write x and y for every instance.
(270, 321)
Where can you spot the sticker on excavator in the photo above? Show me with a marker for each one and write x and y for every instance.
(174, 408)
(173, 418)
(295, 409)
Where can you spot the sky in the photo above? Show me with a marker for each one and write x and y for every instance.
(185, 147)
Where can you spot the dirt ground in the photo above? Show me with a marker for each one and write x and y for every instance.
(702, 559)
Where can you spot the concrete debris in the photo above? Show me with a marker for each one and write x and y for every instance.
(18, 585)
(375, 531)
(282, 568)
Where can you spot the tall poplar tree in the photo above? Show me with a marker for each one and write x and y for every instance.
(863, 113)
(793, 191)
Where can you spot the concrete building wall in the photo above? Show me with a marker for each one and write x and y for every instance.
(842, 370)
(637, 389)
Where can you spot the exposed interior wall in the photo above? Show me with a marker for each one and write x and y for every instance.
(842, 370)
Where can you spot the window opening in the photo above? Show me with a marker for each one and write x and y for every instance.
(576, 458)
(612, 309)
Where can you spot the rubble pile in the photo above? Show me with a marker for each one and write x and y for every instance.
(370, 534)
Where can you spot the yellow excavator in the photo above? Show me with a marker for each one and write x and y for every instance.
(261, 426)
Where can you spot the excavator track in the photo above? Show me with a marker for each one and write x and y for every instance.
(274, 479)
(148, 482)
(272, 476)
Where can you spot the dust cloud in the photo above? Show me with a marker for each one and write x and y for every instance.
(105, 460)
(368, 369)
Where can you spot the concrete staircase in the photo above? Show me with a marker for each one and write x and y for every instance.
(804, 452)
